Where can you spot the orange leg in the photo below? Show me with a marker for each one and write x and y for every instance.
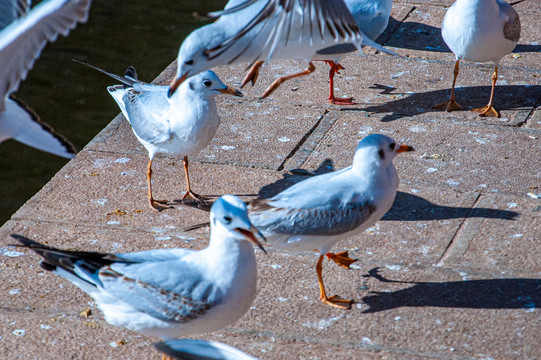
(333, 300)
(488, 110)
(189, 192)
(157, 205)
(342, 259)
(450, 104)
(335, 69)
(252, 74)
(281, 79)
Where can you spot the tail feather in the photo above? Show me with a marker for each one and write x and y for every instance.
(53, 258)
(129, 78)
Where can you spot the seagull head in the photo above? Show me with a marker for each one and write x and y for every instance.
(207, 84)
(379, 150)
(192, 57)
(229, 214)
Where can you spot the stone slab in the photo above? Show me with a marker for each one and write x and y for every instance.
(465, 158)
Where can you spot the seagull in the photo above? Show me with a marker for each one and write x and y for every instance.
(480, 31)
(23, 35)
(182, 124)
(316, 213)
(169, 293)
(191, 349)
(257, 30)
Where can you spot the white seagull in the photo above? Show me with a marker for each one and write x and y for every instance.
(23, 36)
(191, 349)
(182, 124)
(255, 31)
(480, 31)
(316, 213)
(169, 293)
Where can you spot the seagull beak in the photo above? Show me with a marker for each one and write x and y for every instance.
(249, 234)
(230, 91)
(175, 84)
(404, 148)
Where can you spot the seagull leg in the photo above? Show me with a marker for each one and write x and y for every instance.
(252, 74)
(157, 205)
(333, 300)
(450, 104)
(189, 192)
(335, 69)
(341, 259)
(281, 79)
(488, 110)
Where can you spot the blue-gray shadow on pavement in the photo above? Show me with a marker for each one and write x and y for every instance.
(515, 293)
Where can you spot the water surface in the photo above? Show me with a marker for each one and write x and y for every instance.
(73, 99)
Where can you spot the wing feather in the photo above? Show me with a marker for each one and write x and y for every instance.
(334, 218)
(22, 41)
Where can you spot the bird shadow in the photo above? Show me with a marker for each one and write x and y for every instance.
(507, 97)
(513, 293)
(414, 35)
(410, 207)
(406, 207)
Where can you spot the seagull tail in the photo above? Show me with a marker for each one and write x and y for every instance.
(126, 80)
(81, 268)
(375, 45)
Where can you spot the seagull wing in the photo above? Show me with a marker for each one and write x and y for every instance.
(280, 22)
(162, 284)
(511, 27)
(308, 208)
(11, 10)
(148, 113)
(157, 282)
(21, 42)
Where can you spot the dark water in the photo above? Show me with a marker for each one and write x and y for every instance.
(73, 99)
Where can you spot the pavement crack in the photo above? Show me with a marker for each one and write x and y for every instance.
(304, 139)
(446, 253)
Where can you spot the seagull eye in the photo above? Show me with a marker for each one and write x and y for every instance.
(207, 83)
(227, 219)
(392, 146)
(188, 62)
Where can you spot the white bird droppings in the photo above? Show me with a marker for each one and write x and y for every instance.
(19, 332)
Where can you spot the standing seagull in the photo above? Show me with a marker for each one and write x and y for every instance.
(255, 31)
(320, 211)
(23, 36)
(169, 292)
(182, 124)
(480, 31)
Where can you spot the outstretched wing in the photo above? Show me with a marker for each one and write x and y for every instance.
(279, 22)
(21, 42)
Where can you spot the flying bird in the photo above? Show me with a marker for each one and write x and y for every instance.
(256, 31)
(23, 35)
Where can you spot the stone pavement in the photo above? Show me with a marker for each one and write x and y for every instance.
(451, 272)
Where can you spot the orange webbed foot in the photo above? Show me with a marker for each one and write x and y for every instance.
(341, 259)
(337, 302)
(488, 111)
(448, 105)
